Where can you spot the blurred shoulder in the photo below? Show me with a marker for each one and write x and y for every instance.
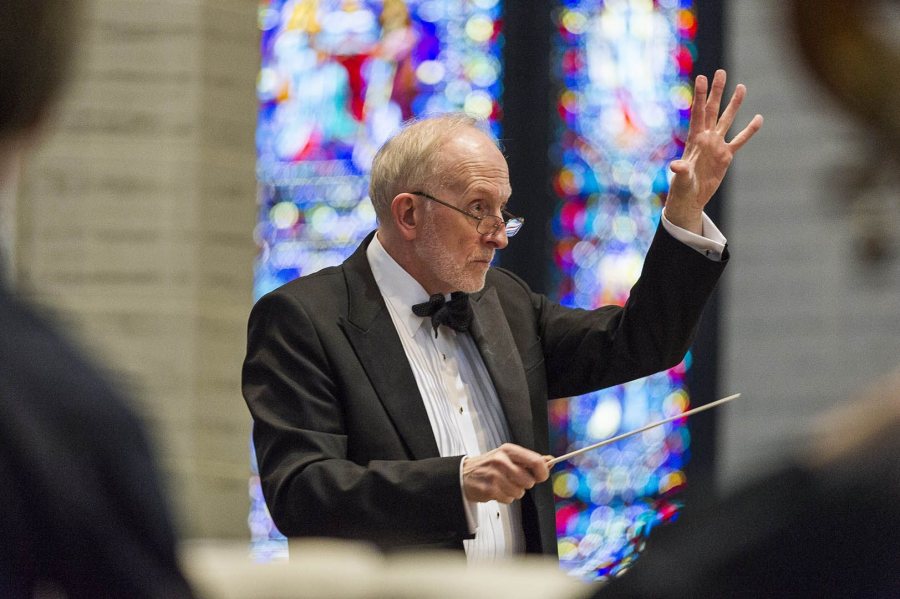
(42, 367)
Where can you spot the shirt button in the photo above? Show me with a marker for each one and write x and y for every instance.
(498, 515)
(460, 410)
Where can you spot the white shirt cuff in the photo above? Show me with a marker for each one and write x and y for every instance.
(471, 507)
(711, 243)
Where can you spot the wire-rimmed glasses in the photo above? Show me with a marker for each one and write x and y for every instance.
(489, 224)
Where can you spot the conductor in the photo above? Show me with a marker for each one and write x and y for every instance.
(401, 397)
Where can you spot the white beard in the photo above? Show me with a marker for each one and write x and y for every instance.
(430, 251)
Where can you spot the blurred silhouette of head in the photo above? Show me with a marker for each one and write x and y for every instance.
(36, 42)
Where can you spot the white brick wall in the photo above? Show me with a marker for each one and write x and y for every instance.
(135, 222)
(805, 322)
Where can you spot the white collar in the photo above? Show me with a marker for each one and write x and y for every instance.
(399, 289)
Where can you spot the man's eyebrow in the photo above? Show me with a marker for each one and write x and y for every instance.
(485, 198)
(487, 192)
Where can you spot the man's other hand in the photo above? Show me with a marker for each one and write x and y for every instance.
(503, 474)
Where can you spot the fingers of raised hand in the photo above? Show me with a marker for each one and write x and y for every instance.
(746, 133)
(698, 107)
(679, 166)
(727, 118)
(711, 122)
(715, 99)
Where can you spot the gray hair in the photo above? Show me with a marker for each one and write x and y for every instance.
(36, 44)
(410, 158)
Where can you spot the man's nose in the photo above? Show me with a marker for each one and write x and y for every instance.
(498, 240)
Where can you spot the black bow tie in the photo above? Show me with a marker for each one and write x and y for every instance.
(456, 314)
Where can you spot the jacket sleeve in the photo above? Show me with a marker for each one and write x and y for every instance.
(586, 350)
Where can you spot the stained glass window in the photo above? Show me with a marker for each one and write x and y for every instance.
(622, 71)
(337, 79)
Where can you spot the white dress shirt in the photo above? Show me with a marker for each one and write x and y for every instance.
(459, 396)
(711, 243)
(460, 399)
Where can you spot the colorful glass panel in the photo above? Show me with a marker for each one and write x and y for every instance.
(622, 70)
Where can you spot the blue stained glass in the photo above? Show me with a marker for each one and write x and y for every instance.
(622, 72)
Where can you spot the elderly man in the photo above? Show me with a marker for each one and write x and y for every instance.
(401, 397)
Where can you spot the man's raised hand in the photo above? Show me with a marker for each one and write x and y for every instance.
(707, 156)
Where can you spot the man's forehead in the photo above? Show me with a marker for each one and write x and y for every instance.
(472, 162)
(477, 183)
(470, 138)
(470, 141)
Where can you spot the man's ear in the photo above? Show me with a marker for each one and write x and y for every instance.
(406, 215)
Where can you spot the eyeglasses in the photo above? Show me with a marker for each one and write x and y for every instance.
(488, 224)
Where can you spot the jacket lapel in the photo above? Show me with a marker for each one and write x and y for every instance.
(371, 332)
(492, 335)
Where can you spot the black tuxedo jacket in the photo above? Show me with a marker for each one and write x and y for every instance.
(343, 441)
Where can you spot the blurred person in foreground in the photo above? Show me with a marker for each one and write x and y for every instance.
(824, 524)
(81, 509)
(401, 397)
